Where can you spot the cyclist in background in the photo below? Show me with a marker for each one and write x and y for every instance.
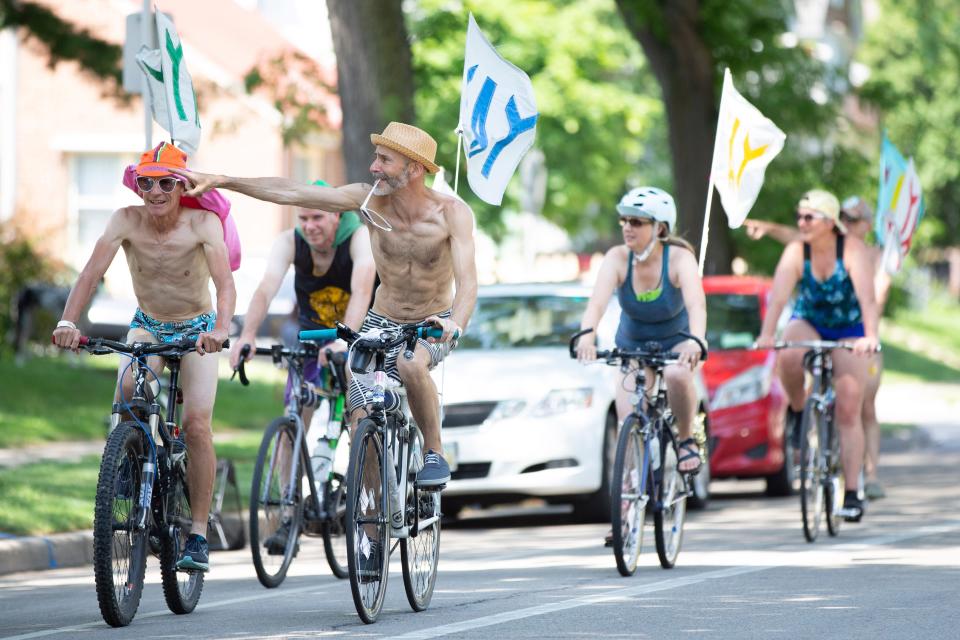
(857, 216)
(655, 276)
(836, 302)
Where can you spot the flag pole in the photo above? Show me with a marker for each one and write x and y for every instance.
(161, 45)
(145, 18)
(456, 172)
(706, 215)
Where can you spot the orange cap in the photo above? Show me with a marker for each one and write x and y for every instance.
(160, 160)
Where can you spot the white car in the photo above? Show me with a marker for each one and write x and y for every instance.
(521, 417)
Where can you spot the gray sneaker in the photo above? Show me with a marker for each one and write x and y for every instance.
(435, 470)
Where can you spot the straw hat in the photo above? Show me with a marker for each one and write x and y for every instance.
(823, 202)
(410, 141)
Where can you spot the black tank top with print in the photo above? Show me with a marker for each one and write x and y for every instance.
(322, 299)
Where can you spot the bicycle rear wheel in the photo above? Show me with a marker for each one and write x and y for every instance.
(276, 507)
(421, 552)
(628, 496)
(812, 471)
(671, 509)
(334, 529)
(833, 484)
(181, 589)
(119, 548)
(368, 541)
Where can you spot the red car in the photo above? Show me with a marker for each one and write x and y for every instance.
(747, 401)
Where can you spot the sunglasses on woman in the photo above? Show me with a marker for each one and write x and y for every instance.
(635, 222)
(167, 183)
(809, 217)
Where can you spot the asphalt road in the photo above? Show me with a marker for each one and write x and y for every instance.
(744, 572)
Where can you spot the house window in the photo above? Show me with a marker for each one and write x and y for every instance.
(96, 192)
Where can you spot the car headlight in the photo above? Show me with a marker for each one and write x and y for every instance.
(506, 409)
(749, 386)
(562, 400)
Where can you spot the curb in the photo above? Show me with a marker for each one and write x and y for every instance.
(36, 553)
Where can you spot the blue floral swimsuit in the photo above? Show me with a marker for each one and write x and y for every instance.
(831, 306)
(169, 332)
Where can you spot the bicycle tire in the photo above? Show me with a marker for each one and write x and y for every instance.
(334, 529)
(420, 551)
(670, 511)
(811, 471)
(628, 499)
(267, 504)
(119, 554)
(181, 589)
(834, 484)
(365, 510)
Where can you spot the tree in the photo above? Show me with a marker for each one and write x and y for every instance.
(374, 74)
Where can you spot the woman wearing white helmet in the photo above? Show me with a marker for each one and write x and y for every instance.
(660, 295)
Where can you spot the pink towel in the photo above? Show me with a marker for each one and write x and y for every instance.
(212, 201)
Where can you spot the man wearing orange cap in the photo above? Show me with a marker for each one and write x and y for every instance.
(172, 251)
(423, 248)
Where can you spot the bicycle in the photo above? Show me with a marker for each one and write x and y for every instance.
(821, 471)
(281, 508)
(383, 498)
(645, 469)
(142, 499)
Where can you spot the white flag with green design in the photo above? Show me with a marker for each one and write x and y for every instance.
(170, 87)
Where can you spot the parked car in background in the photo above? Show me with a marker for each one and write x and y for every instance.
(747, 401)
(521, 418)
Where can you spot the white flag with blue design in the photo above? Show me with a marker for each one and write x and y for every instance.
(170, 87)
(498, 116)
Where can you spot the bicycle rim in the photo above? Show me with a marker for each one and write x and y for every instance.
(273, 504)
(181, 589)
(628, 501)
(833, 483)
(811, 472)
(334, 529)
(119, 549)
(420, 553)
(671, 510)
(366, 517)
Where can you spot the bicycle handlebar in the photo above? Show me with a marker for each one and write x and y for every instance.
(100, 346)
(277, 351)
(424, 330)
(823, 345)
(649, 354)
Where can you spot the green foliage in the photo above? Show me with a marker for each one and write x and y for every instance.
(913, 53)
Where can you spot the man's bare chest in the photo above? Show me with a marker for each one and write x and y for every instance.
(423, 245)
(175, 256)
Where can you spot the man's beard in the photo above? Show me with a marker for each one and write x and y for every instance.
(388, 185)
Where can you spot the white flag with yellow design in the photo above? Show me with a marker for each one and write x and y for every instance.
(746, 143)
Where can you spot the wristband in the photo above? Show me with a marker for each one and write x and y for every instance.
(66, 323)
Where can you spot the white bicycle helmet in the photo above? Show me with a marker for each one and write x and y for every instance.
(649, 202)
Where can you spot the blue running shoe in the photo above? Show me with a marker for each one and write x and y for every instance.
(435, 470)
(195, 555)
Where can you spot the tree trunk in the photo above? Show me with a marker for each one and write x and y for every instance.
(374, 74)
(683, 65)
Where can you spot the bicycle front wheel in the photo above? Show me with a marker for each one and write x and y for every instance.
(181, 589)
(334, 528)
(833, 482)
(628, 496)
(812, 470)
(671, 495)
(119, 547)
(276, 504)
(368, 542)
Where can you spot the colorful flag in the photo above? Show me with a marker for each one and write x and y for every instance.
(892, 166)
(498, 116)
(170, 87)
(746, 143)
(901, 218)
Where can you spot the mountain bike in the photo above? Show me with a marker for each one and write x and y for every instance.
(645, 469)
(821, 471)
(383, 498)
(285, 497)
(142, 500)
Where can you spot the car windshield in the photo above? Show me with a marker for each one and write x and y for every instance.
(507, 322)
(734, 320)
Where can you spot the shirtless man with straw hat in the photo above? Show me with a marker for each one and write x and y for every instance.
(423, 248)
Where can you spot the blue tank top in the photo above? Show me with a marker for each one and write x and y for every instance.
(660, 319)
(832, 303)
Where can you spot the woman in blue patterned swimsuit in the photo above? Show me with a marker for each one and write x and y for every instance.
(835, 302)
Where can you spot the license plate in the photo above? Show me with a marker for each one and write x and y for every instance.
(450, 453)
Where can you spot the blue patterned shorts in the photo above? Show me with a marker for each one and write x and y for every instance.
(169, 332)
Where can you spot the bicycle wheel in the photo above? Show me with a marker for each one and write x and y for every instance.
(671, 496)
(276, 505)
(833, 483)
(334, 529)
(628, 496)
(811, 471)
(368, 542)
(181, 589)
(420, 552)
(119, 548)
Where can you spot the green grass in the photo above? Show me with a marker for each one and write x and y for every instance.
(59, 398)
(923, 346)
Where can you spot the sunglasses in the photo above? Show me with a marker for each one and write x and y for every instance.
(809, 217)
(371, 215)
(635, 222)
(847, 218)
(167, 183)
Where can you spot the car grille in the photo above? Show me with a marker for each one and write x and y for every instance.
(467, 414)
(470, 471)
